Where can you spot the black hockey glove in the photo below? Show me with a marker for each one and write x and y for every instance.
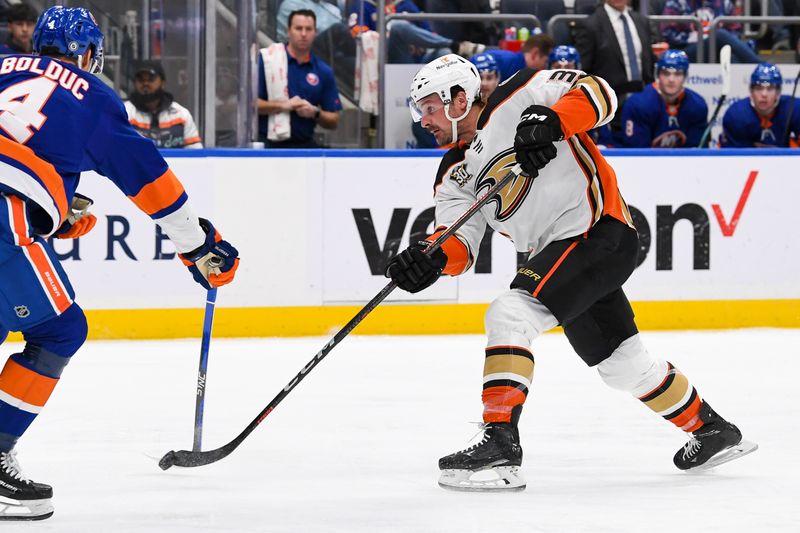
(413, 271)
(538, 129)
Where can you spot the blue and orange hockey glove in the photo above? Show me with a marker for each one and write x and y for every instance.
(214, 264)
(79, 222)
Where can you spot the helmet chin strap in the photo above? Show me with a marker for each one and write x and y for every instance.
(454, 121)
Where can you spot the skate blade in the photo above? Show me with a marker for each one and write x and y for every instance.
(497, 479)
(725, 456)
(25, 509)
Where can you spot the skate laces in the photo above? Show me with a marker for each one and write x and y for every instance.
(691, 448)
(481, 429)
(8, 461)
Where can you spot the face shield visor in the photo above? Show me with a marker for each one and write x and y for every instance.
(423, 108)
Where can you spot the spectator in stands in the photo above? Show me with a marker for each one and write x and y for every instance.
(761, 120)
(684, 37)
(296, 89)
(155, 114)
(21, 20)
(616, 44)
(533, 55)
(489, 72)
(407, 42)
(665, 114)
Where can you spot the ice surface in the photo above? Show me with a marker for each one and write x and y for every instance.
(354, 447)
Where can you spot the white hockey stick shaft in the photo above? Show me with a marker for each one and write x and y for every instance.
(725, 67)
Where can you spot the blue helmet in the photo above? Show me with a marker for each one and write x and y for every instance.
(564, 54)
(485, 63)
(766, 74)
(673, 60)
(69, 31)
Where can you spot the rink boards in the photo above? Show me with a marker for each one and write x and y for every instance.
(314, 230)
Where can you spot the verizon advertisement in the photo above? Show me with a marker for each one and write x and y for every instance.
(707, 226)
(319, 230)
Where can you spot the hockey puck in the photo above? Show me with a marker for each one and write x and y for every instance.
(167, 461)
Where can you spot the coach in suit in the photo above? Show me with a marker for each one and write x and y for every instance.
(615, 43)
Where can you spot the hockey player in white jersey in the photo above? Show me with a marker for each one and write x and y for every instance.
(567, 213)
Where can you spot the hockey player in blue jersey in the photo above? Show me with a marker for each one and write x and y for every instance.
(57, 121)
(564, 56)
(489, 72)
(760, 121)
(665, 114)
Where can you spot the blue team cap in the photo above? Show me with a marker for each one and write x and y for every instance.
(485, 63)
(673, 60)
(766, 74)
(70, 31)
(564, 54)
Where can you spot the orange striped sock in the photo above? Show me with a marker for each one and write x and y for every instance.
(676, 400)
(507, 375)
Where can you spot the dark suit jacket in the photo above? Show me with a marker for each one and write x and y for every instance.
(601, 54)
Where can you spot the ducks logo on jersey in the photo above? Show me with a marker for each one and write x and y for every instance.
(511, 197)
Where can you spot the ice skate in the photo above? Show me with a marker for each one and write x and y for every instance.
(21, 499)
(491, 465)
(716, 443)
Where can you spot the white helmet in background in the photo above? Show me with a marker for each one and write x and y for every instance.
(439, 77)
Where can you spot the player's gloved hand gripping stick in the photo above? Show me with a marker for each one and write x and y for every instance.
(79, 221)
(206, 270)
(187, 458)
(537, 132)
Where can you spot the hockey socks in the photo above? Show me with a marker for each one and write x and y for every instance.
(676, 400)
(23, 393)
(507, 375)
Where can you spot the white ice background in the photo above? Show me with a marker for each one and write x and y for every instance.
(354, 447)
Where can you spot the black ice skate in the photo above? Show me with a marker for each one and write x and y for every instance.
(21, 499)
(717, 442)
(491, 465)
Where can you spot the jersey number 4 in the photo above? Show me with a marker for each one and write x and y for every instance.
(21, 107)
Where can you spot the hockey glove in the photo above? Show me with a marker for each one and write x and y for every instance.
(79, 222)
(214, 264)
(538, 129)
(412, 270)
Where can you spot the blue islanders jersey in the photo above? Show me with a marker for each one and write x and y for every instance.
(648, 122)
(507, 62)
(742, 127)
(57, 121)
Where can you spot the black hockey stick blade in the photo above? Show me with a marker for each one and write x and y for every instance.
(186, 458)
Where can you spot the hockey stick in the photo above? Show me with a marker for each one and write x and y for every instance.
(208, 320)
(725, 66)
(197, 458)
(791, 110)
